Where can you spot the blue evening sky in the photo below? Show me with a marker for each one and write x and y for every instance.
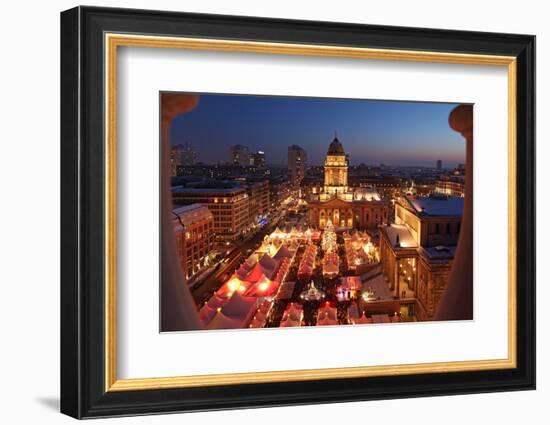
(371, 131)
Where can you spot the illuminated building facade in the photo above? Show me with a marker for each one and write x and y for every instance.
(258, 200)
(194, 231)
(337, 202)
(450, 185)
(416, 251)
(257, 159)
(229, 207)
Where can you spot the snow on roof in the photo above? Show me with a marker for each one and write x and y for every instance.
(209, 190)
(448, 206)
(406, 240)
(366, 194)
(439, 253)
(193, 213)
(379, 286)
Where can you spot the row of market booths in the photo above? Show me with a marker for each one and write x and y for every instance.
(245, 299)
(307, 264)
(360, 251)
(294, 234)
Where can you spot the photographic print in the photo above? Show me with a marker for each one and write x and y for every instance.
(250, 185)
(300, 211)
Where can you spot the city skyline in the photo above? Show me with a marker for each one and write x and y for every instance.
(395, 133)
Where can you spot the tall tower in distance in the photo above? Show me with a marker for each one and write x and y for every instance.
(182, 155)
(439, 165)
(336, 169)
(297, 159)
(239, 155)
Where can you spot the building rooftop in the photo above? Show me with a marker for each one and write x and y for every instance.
(208, 190)
(366, 194)
(393, 231)
(193, 213)
(439, 253)
(336, 148)
(437, 205)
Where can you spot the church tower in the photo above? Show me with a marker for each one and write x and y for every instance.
(336, 169)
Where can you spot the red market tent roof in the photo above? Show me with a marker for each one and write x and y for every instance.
(262, 288)
(257, 272)
(234, 284)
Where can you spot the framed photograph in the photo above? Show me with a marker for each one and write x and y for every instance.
(261, 212)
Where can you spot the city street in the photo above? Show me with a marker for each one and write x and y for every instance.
(241, 251)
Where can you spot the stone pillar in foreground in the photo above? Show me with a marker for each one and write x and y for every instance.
(457, 301)
(178, 310)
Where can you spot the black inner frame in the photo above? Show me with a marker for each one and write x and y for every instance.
(82, 212)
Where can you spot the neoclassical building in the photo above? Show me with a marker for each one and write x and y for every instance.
(344, 206)
(417, 251)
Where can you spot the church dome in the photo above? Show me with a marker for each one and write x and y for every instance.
(336, 148)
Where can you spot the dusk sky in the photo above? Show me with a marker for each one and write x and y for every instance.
(371, 131)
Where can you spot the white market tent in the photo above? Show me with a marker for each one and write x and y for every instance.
(326, 321)
(330, 312)
(206, 314)
(240, 307)
(257, 323)
(215, 301)
(283, 252)
(221, 321)
(290, 323)
(363, 320)
(294, 314)
(353, 312)
(380, 318)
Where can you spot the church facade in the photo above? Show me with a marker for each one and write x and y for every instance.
(337, 202)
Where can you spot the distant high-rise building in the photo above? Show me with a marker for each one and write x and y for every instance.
(297, 159)
(182, 155)
(239, 155)
(257, 159)
(439, 164)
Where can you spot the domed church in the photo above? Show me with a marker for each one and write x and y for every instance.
(344, 206)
